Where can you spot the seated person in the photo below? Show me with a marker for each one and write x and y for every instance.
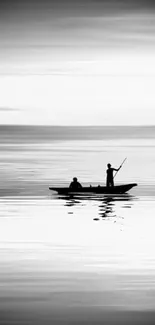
(75, 184)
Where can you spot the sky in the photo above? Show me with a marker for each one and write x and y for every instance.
(85, 62)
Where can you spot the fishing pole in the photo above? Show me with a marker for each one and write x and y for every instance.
(120, 166)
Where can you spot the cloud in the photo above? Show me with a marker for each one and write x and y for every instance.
(8, 109)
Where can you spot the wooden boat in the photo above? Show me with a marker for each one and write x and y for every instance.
(118, 189)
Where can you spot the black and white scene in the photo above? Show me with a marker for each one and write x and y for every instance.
(77, 162)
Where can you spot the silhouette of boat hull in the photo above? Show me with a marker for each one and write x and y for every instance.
(118, 189)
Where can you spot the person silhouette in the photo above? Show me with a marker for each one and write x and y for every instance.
(110, 177)
(75, 184)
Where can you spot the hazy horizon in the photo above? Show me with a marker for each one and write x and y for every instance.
(29, 134)
(80, 126)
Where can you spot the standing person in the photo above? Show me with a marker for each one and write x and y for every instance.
(110, 177)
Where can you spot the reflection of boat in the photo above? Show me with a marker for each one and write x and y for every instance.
(118, 189)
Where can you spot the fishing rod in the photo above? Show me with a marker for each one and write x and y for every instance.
(120, 166)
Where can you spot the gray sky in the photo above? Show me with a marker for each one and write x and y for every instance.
(77, 62)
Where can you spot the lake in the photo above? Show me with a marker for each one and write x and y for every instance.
(81, 259)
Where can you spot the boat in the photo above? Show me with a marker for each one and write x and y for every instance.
(118, 189)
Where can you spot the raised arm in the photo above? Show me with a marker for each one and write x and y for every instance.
(117, 169)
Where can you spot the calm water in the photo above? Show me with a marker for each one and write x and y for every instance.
(76, 260)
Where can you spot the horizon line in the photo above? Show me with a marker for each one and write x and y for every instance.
(77, 125)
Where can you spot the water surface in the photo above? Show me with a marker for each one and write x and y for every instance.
(76, 260)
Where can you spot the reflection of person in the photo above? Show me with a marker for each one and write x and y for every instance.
(110, 177)
(75, 184)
